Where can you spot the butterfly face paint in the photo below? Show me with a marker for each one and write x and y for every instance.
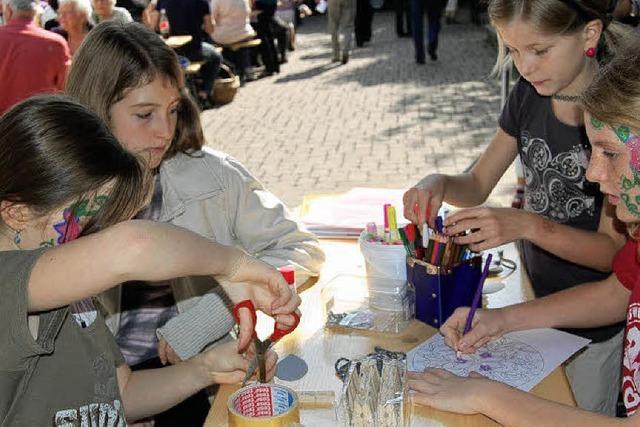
(619, 147)
(74, 218)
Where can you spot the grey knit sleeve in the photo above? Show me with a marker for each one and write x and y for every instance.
(190, 332)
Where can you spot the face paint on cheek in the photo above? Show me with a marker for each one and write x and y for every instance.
(633, 143)
(627, 194)
(629, 187)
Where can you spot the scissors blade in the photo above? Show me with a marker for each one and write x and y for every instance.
(262, 369)
(252, 369)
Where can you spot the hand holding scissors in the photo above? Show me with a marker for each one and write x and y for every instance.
(261, 347)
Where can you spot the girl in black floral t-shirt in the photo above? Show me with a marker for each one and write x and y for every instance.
(613, 126)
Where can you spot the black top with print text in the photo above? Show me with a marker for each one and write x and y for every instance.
(555, 157)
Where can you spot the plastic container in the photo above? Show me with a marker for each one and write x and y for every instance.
(368, 303)
(383, 260)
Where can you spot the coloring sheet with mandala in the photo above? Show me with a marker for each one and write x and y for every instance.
(519, 359)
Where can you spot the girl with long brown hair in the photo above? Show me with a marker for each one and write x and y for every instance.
(67, 189)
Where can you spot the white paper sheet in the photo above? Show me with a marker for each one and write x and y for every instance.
(519, 359)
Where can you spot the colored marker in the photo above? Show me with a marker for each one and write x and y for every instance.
(393, 223)
(385, 210)
(425, 235)
(476, 298)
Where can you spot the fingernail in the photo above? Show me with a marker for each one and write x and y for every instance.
(462, 345)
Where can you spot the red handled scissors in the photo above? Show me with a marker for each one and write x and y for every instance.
(258, 362)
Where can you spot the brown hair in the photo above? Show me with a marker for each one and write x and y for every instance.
(556, 17)
(54, 152)
(116, 57)
(614, 94)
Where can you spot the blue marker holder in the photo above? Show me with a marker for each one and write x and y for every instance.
(439, 292)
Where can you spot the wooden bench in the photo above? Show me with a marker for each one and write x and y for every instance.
(243, 44)
(193, 68)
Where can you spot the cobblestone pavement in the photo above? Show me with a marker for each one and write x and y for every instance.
(378, 121)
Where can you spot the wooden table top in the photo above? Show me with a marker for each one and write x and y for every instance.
(321, 347)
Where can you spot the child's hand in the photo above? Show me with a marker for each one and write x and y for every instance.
(425, 197)
(166, 353)
(445, 391)
(223, 364)
(491, 227)
(261, 299)
(247, 269)
(487, 325)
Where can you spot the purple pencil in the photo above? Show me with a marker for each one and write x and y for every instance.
(476, 298)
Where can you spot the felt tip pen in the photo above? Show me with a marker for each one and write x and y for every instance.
(385, 209)
(425, 235)
(477, 297)
(393, 223)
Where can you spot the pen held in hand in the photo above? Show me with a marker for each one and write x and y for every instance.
(478, 294)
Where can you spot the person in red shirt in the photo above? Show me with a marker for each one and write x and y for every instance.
(612, 122)
(32, 60)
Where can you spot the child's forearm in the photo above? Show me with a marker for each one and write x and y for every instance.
(148, 392)
(589, 248)
(134, 250)
(464, 190)
(584, 306)
(512, 407)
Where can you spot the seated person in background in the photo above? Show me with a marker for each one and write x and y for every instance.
(75, 21)
(105, 10)
(43, 59)
(190, 17)
(231, 20)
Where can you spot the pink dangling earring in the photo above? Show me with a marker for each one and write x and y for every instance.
(591, 52)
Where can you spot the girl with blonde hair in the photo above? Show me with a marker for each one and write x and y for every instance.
(612, 111)
(563, 232)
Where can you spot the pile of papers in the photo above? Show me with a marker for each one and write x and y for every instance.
(346, 215)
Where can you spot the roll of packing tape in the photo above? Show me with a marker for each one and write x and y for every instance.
(263, 405)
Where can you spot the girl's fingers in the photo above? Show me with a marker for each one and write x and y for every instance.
(162, 351)
(473, 238)
(424, 199)
(292, 304)
(246, 328)
(285, 321)
(421, 386)
(439, 373)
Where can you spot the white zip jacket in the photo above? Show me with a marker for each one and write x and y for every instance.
(212, 194)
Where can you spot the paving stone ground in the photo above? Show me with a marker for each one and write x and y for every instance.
(379, 121)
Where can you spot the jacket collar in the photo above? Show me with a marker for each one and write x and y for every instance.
(185, 178)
